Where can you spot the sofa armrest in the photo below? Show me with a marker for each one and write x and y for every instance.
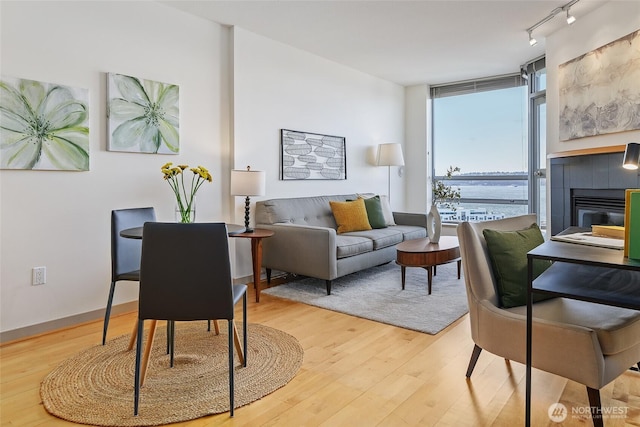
(407, 218)
(301, 249)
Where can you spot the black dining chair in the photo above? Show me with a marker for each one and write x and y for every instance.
(125, 253)
(185, 275)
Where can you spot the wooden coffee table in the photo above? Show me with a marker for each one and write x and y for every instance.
(423, 253)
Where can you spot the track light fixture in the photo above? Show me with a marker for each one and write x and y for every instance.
(570, 19)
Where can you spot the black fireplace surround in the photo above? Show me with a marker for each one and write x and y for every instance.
(588, 190)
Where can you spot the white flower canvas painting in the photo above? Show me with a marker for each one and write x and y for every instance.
(143, 115)
(43, 126)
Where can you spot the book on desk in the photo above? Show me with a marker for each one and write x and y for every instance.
(590, 239)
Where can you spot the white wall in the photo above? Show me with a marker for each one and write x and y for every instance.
(61, 220)
(613, 20)
(417, 129)
(280, 87)
(237, 90)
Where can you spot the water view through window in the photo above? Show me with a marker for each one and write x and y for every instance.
(482, 129)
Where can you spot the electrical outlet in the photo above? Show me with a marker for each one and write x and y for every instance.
(39, 276)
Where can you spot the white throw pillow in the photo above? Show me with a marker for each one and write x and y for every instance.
(386, 207)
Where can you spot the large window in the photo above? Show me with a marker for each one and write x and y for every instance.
(481, 127)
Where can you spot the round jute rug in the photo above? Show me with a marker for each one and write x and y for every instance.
(96, 386)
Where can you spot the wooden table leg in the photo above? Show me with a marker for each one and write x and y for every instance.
(134, 335)
(236, 341)
(147, 351)
(256, 257)
(429, 277)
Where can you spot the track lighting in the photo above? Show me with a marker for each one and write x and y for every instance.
(570, 19)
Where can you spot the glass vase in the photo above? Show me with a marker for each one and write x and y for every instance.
(186, 214)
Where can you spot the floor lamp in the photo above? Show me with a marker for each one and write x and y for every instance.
(390, 155)
(247, 183)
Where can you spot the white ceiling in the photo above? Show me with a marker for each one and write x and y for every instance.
(407, 42)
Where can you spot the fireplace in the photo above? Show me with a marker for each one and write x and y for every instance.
(588, 189)
(597, 207)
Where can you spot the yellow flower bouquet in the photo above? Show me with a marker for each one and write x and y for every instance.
(185, 198)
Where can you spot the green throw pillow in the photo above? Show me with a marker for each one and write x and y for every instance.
(508, 253)
(374, 212)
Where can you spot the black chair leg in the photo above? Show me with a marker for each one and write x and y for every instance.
(244, 327)
(596, 407)
(474, 358)
(169, 338)
(136, 392)
(107, 312)
(230, 322)
(172, 346)
(328, 282)
(268, 271)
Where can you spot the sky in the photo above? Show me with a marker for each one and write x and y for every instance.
(481, 132)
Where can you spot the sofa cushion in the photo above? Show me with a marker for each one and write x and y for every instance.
(508, 254)
(410, 232)
(381, 237)
(348, 245)
(350, 216)
(386, 208)
(314, 211)
(374, 212)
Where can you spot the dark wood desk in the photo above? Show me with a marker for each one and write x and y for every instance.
(586, 273)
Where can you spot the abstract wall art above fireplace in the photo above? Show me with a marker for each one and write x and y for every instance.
(599, 91)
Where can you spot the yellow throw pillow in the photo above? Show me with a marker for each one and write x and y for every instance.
(350, 216)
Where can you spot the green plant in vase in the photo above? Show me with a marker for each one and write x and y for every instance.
(446, 195)
(443, 195)
(185, 197)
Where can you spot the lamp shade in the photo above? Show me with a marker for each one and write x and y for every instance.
(390, 155)
(248, 182)
(631, 156)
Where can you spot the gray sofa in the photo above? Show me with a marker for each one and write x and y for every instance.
(306, 241)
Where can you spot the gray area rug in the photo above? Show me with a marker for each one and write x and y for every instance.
(377, 294)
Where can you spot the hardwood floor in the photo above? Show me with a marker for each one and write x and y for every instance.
(355, 373)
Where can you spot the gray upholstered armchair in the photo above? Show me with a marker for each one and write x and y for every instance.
(588, 343)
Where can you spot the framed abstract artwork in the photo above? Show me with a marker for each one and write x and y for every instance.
(43, 126)
(599, 91)
(143, 115)
(305, 155)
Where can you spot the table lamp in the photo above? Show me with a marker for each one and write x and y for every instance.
(247, 183)
(631, 156)
(390, 155)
